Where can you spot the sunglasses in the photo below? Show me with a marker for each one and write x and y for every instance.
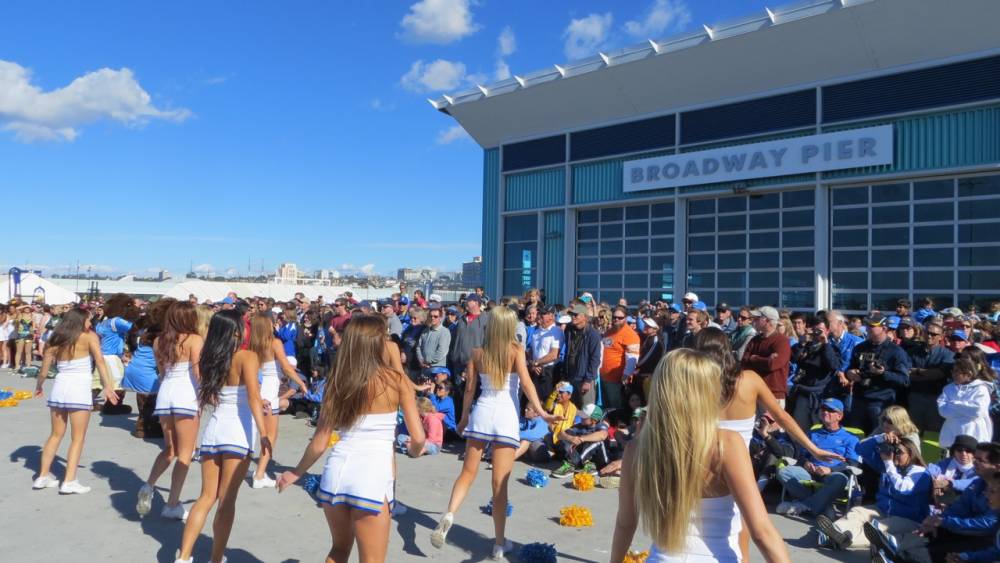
(743, 318)
(435, 316)
(618, 318)
(965, 450)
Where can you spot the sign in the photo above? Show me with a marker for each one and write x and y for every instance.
(816, 153)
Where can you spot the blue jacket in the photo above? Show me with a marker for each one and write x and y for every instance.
(445, 405)
(840, 442)
(846, 346)
(895, 378)
(908, 496)
(533, 429)
(971, 514)
(990, 555)
(921, 315)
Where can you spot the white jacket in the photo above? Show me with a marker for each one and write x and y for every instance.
(965, 409)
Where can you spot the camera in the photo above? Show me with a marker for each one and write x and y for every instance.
(889, 448)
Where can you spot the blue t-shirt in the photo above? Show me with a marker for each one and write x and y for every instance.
(533, 429)
(288, 333)
(140, 374)
(112, 333)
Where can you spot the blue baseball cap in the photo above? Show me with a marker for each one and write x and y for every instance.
(833, 404)
(700, 305)
(226, 301)
(404, 300)
(677, 307)
(565, 386)
(893, 322)
(959, 335)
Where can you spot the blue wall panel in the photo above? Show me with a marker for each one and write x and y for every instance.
(491, 218)
(534, 190)
(552, 278)
(602, 181)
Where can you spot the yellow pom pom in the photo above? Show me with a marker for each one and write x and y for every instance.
(8, 403)
(583, 481)
(575, 516)
(22, 395)
(636, 557)
(334, 438)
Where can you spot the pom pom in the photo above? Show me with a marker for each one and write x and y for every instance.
(583, 481)
(23, 395)
(537, 478)
(334, 438)
(636, 557)
(4, 395)
(487, 508)
(575, 516)
(538, 553)
(311, 483)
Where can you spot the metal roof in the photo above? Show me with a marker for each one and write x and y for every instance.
(785, 47)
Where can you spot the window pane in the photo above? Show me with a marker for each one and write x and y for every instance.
(662, 244)
(934, 189)
(979, 280)
(797, 238)
(852, 237)
(923, 257)
(732, 204)
(637, 212)
(733, 223)
(588, 232)
(927, 212)
(979, 232)
(797, 259)
(850, 280)
(611, 281)
(940, 234)
(637, 229)
(611, 264)
(519, 255)
(637, 246)
(515, 282)
(663, 210)
(798, 279)
(804, 218)
(701, 280)
(665, 263)
(733, 298)
(898, 258)
(764, 201)
(891, 280)
(696, 244)
(663, 227)
(611, 247)
(890, 192)
(979, 256)
(614, 230)
(701, 261)
(763, 279)
(979, 209)
(520, 227)
(884, 301)
(661, 280)
(799, 198)
(982, 300)
(941, 300)
(761, 298)
(850, 301)
(701, 225)
(850, 259)
(980, 185)
(925, 279)
(586, 280)
(611, 214)
(636, 263)
(850, 196)
(635, 280)
(890, 214)
(732, 261)
(588, 216)
(732, 242)
(587, 249)
(798, 299)
(701, 206)
(760, 241)
(891, 236)
(764, 221)
(850, 216)
(587, 264)
(732, 279)
(763, 259)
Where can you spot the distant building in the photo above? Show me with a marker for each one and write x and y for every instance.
(287, 273)
(163, 275)
(472, 272)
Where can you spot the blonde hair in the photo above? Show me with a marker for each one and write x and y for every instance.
(900, 419)
(204, 316)
(500, 330)
(425, 406)
(676, 445)
(261, 335)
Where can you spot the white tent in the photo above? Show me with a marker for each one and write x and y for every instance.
(214, 291)
(36, 288)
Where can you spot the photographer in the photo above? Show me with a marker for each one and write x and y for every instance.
(816, 360)
(932, 362)
(879, 369)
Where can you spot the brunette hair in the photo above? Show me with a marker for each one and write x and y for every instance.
(225, 333)
(180, 320)
(67, 332)
(715, 344)
(360, 368)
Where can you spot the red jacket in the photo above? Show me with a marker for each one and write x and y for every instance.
(769, 357)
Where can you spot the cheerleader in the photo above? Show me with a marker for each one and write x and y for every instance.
(229, 384)
(177, 351)
(362, 396)
(271, 354)
(73, 347)
(494, 420)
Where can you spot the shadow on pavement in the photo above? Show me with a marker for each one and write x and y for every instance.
(124, 485)
(31, 456)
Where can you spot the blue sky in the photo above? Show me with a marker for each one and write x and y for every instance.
(146, 135)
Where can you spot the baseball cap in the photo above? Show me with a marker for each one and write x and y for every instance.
(770, 313)
(434, 297)
(876, 319)
(473, 297)
(833, 404)
(565, 386)
(226, 301)
(893, 322)
(650, 322)
(690, 296)
(907, 321)
(722, 307)
(700, 305)
(365, 304)
(676, 307)
(593, 412)
(404, 300)
(630, 319)
(564, 319)
(959, 335)
(586, 297)
(578, 309)
(546, 310)
(452, 310)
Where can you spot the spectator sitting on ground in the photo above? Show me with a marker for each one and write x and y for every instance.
(564, 408)
(584, 442)
(832, 474)
(955, 473)
(533, 431)
(445, 405)
(431, 420)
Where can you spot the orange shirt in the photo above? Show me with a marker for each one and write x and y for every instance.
(615, 345)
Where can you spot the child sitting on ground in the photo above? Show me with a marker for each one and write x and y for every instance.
(433, 423)
(533, 432)
(584, 442)
(445, 405)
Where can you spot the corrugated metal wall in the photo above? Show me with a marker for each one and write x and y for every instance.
(534, 190)
(945, 140)
(602, 181)
(555, 243)
(491, 218)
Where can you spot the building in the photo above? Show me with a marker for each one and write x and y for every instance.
(287, 273)
(836, 153)
(472, 272)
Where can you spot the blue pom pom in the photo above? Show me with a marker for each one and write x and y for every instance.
(537, 478)
(311, 484)
(4, 395)
(487, 508)
(538, 553)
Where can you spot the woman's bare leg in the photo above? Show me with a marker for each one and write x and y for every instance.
(185, 435)
(78, 421)
(473, 454)
(59, 420)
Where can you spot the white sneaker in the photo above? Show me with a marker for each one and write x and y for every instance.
(178, 559)
(794, 508)
(441, 532)
(265, 483)
(73, 488)
(145, 501)
(45, 482)
(174, 512)
(500, 550)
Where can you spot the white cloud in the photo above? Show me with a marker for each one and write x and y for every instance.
(506, 43)
(436, 76)
(585, 36)
(204, 269)
(367, 269)
(502, 71)
(452, 134)
(221, 79)
(378, 104)
(663, 15)
(34, 115)
(438, 21)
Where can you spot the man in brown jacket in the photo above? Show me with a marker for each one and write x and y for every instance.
(769, 352)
